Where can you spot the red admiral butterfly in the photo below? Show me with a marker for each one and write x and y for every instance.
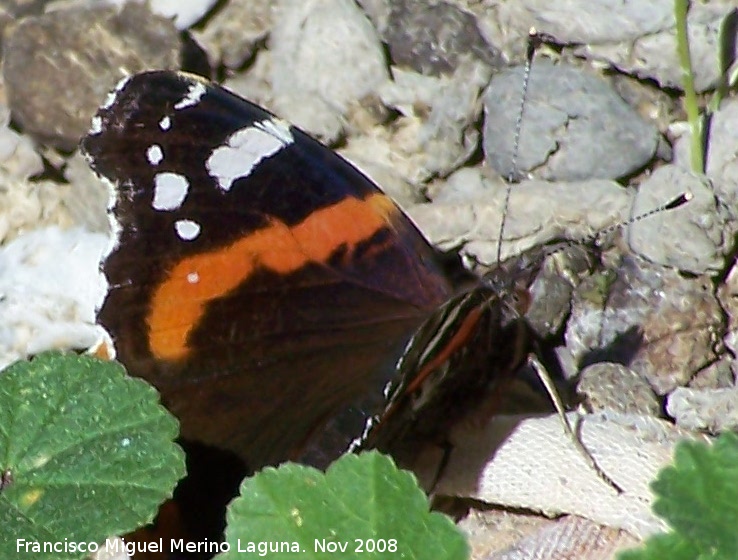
(270, 290)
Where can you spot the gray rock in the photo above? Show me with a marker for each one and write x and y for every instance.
(718, 375)
(635, 37)
(232, 35)
(553, 288)
(436, 130)
(692, 238)
(715, 410)
(440, 116)
(433, 37)
(653, 54)
(539, 212)
(574, 126)
(728, 296)
(615, 387)
(657, 322)
(325, 55)
(721, 165)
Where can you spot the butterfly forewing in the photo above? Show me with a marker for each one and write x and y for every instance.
(260, 281)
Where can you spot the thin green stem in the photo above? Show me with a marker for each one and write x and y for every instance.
(691, 106)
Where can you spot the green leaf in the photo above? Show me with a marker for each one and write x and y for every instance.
(661, 547)
(698, 497)
(86, 452)
(362, 507)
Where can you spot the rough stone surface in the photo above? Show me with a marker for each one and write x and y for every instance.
(432, 38)
(615, 387)
(59, 66)
(575, 126)
(538, 212)
(721, 164)
(692, 238)
(728, 297)
(309, 36)
(233, 34)
(649, 318)
(713, 410)
(637, 38)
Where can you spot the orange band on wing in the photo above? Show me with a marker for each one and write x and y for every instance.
(179, 302)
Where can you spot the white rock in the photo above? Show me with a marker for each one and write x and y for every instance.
(50, 286)
(18, 157)
(26, 205)
(325, 55)
(715, 410)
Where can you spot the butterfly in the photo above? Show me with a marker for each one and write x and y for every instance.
(271, 291)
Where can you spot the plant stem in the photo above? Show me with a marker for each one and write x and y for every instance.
(681, 7)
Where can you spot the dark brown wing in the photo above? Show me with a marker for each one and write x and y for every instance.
(258, 280)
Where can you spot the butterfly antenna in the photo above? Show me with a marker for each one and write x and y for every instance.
(679, 200)
(540, 370)
(535, 40)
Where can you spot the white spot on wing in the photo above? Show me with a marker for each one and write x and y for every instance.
(193, 277)
(187, 230)
(245, 148)
(122, 83)
(113, 95)
(170, 190)
(192, 98)
(154, 154)
(110, 99)
(96, 126)
(165, 123)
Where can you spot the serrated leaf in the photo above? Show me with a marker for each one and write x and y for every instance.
(661, 547)
(698, 497)
(360, 505)
(86, 451)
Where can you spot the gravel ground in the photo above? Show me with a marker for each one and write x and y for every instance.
(424, 96)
